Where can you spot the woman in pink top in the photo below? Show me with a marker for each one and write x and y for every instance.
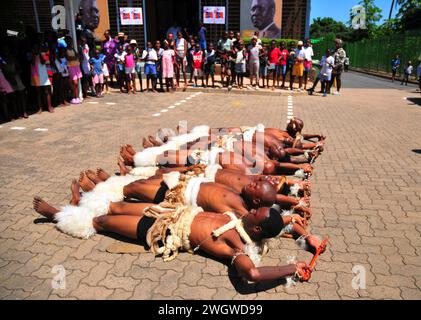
(168, 65)
(129, 67)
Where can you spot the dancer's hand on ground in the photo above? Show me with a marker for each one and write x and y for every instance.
(302, 271)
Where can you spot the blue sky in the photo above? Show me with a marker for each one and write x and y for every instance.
(339, 9)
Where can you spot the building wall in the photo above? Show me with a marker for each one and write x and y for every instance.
(294, 18)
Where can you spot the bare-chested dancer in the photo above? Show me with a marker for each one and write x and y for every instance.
(261, 224)
(228, 160)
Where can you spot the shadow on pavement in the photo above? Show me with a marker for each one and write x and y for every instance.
(415, 100)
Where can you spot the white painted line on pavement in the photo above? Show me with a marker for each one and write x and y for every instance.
(182, 101)
(110, 103)
(41, 129)
(17, 128)
(188, 98)
(156, 115)
(93, 102)
(164, 110)
(171, 107)
(177, 104)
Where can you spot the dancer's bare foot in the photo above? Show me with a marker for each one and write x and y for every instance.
(127, 157)
(92, 176)
(101, 174)
(305, 186)
(314, 243)
(43, 208)
(146, 143)
(154, 141)
(74, 188)
(85, 183)
(123, 169)
(130, 149)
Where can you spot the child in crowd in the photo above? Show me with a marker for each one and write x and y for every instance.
(11, 70)
(210, 59)
(150, 57)
(263, 62)
(282, 66)
(189, 58)
(39, 77)
(325, 74)
(407, 74)
(159, 52)
(86, 68)
(198, 59)
(274, 55)
(105, 86)
(240, 64)
(129, 67)
(138, 58)
(167, 64)
(119, 66)
(62, 75)
(73, 65)
(98, 75)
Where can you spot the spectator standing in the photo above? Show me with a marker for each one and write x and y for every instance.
(325, 73)
(339, 56)
(240, 64)
(210, 59)
(198, 59)
(39, 77)
(298, 66)
(167, 64)
(105, 86)
(73, 65)
(159, 52)
(138, 59)
(396, 63)
(274, 56)
(6, 94)
(110, 49)
(202, 36)
(62, 74)
(282, 66)
(119, 66)
(86, 68)
(308, 62)
(181, 59)
(224, 47)
(189, 58)
(263, 65)
(98, 74)
(12, 70)
(129, 70)
(253, 52)
(150, 57)
(408, 71)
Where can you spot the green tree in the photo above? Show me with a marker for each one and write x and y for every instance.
(323, 26)
(409, 14)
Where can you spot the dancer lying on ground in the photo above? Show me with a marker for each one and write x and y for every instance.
(232, 245)
(187, 157)
(214, 198)
(292, 137)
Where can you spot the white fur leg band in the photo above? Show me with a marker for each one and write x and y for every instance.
(77, 221)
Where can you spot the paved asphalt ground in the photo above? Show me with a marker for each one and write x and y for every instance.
(366, 196)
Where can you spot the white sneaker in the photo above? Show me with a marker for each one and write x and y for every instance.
(336, 93)
(256, 88)
(299, 90)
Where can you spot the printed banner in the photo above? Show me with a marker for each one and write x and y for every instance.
(131, 16)
(214, 15)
